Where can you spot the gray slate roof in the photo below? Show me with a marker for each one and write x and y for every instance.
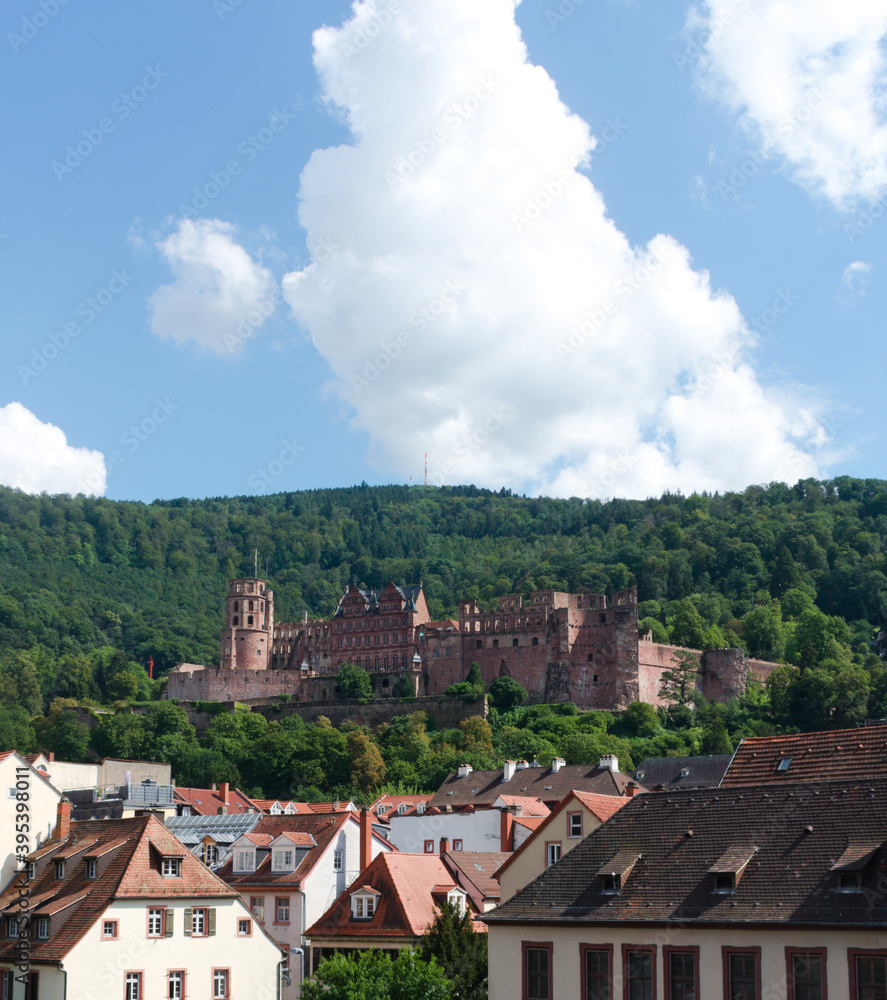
(224, 830)
(668, 772)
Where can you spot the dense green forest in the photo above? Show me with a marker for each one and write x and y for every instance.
(89, 588)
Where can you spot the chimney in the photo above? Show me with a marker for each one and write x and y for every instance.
(222, 811)
(444, 845)
(506, 830)
(366, 839)
(50, 756)
(223, 792)
(557, 764)
(63, 820)
(510, 768)
(610, 761)
(631, 789)
(465, 770)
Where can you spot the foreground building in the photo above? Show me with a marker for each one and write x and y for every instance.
(581, 648)
(747, 892)
(119, 908)
(22, 782)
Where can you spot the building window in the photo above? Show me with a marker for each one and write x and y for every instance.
(245, 861)
(109, 930)
(43, 928)
(337, 860)
(457, 845)
(283, 860)
(495, 644)
(724, 883)
(868, 974)
(574, 824)
(244, 927)
(362, 906)
(535, 640)
(478, 644)
(12, 927)
(5, 984)
(221, 983)
(611, 885)
(806, 973)
(60, 869)
(282, 910)
(429, 847)
(537, 971)
(257, 905)
(171, 867)
(133, 982)
(514, 642)
(249, 619)
(236, 620)
(92, 869)
(742, 973)
(155, 923)
(681, 973)
(638, 965)
(849, 882)
(552, 853)
(210, 854)
(597, 972)
(175, 985)
(32, 870)
(200, 922)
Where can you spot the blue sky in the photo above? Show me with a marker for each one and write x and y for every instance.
(239, 258)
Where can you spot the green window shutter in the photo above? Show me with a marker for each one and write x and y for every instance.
(170, 913)
(188, 924)
(212, 920)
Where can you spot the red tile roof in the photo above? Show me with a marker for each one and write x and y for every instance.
(297, 807)
(602, 806)
(332, 807)
(405, 908)
(207, 802)
(785, 840)
(476, 872)
(530, 806)
(323, 828)
(132, 871)
(848, 754)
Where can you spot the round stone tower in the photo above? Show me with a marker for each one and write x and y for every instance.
(249, 625)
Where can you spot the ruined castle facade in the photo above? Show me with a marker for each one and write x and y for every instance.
(582, 648)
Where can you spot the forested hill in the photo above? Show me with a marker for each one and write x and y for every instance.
(78, 573)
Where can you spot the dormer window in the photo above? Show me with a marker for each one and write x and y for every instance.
(32, 870)
(43, 928)
(60, 869)
(91, 869)
(456, 899)
(611, 885)
(171, 867)
(724, 883)
(283, 859)
(849, 882)
(363, 905)
(244, 861)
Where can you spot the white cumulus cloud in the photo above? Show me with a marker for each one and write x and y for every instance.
(36, 457)
(855, 280)
(220, 297)
(808, 80)
(480, 304)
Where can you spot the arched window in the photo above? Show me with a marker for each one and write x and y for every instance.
(514, 642)
(495, 644)
(535, 640)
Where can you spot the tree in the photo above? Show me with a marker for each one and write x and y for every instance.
(687, 628)
(459, 950)
(677, 685)
(716, 739)
(367, 766)
(470, 689)
(370, 974)
(476, 733)
(354, 682)
(506, 693)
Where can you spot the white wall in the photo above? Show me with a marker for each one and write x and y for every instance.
(65, 775)
(478, 831)
(42, 802)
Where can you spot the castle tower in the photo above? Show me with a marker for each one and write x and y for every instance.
(249, 625)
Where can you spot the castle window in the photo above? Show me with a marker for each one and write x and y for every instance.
(249, 619)
(236, 619)
(495, 644)
(436, 652)
(535, 640)
(602, 619)
(591, 657)
(594, 678)
(514, 642)
(237, 605)
(450, 650)
(479, 644)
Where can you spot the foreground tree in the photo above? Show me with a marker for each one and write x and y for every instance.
(459, 950)
(372, 975)
(354, 682)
